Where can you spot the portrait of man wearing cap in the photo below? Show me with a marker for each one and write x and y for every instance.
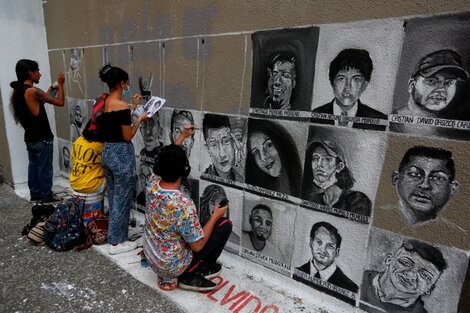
(349, 74)
(76, 121)
(409, 274)
(328, 180)
(434, 84)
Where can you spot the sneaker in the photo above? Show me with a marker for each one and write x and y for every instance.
(211, 270)
(122, 247)
(195, 282)
(53, 199)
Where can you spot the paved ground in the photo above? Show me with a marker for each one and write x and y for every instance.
(37, 279)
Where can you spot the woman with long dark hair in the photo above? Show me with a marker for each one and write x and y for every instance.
(211, 196)
(272, 158)
(118, 159)
(27, 106)
(328, 180)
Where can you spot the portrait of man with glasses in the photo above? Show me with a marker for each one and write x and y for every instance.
(424, 181)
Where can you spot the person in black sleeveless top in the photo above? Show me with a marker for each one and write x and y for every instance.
(27, 106)
(118, 158)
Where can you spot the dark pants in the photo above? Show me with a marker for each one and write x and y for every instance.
(213, 248)
(40, 169)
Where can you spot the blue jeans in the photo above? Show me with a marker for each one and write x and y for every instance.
(118, 162)
(40, 169)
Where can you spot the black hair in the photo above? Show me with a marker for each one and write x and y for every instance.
(281, 57)
(92, 135)
(260, 207)
(214, 121)
(171, 163)
(330, 228)
(112, 75)
(18, 104)
(287, 150)
(345, 179)
(358, 59)
(209, 191)
(427, 252)
(432, 153)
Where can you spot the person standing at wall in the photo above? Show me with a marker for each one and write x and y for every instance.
(27, 105)
(118, 158)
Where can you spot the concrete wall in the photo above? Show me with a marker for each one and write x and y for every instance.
(210, 57)
(23, 35)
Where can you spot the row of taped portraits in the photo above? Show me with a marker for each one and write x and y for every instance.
(403, 75)
(341, 210)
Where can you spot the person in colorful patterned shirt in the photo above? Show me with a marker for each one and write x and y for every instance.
(177, 248)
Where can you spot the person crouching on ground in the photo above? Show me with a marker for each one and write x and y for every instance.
(177, 248)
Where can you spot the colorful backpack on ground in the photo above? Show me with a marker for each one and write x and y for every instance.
(64, 229)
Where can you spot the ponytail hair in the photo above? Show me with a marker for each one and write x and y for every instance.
(112, 75)
(18, 105)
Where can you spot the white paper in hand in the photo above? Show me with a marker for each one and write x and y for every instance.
(153, 105)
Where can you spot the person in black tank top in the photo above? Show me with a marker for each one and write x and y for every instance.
(118, 158)
(27, 105)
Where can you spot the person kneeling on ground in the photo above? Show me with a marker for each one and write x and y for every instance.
(177, 248)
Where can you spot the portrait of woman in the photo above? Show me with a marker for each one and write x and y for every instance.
(212, 195)
(272, 158)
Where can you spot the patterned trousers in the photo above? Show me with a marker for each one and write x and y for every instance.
(118, 162)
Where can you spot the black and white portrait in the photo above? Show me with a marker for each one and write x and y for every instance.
(424, 181)
(336, 175)
(224, 146)
(180, 119)
(433, 87)
(145, 86)
(75, 73)
(144, 172)
(268, 227)
(408, 275)
(152, 136)
(353, 73)
(78, 117)
(350, 74)
(273, 161)
(65, 160)
(283, 67)
(422, 193)
(211, 195)
(173, 122)
(329, 254)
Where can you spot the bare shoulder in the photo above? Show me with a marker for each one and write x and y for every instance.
(117, 105)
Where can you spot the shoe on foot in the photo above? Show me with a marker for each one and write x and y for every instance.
(211, 270)
(122, 247)
(195, 282)
(53, 199)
